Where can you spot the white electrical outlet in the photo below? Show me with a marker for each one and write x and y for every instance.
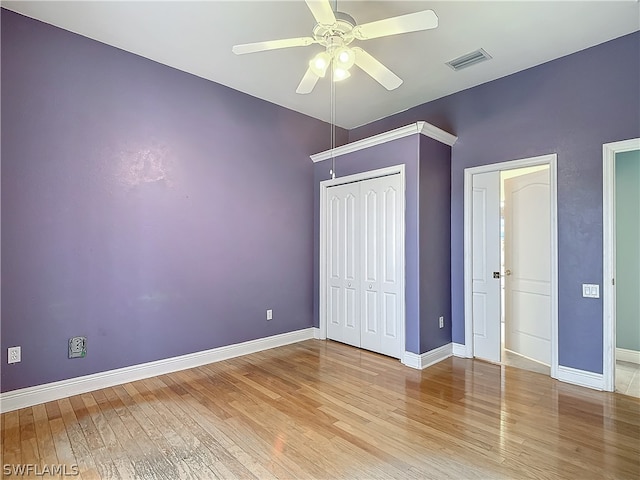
(441, 322)
(14, 355)
(269, 314)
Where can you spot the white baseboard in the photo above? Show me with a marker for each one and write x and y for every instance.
(581, 377)
(316, 334)
(460, 350)
(27, 397)
(631, 356)
(424, 360)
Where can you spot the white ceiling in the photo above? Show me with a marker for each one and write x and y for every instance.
(197, 37)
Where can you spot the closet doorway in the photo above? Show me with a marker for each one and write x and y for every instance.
(362, 260)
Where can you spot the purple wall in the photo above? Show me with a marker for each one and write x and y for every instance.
(570, 106)
(435, 243)
(152, 211)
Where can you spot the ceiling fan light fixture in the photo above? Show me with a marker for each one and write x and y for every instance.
(345, 57)
(320, 63)
(340, 73)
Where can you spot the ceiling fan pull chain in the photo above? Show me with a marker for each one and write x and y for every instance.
(332, 102)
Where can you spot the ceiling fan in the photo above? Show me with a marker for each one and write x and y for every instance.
(335, 31)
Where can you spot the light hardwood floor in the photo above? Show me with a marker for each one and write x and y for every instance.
(320, 409)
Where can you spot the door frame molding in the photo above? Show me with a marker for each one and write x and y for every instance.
(551, 160)
(609, 151)
(324, 185)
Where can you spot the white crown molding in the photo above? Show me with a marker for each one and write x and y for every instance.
(581, 377)
(423, 128)
(436, 133)
(427, 359)
(27, 397)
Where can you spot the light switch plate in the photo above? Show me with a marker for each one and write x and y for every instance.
(590, 290)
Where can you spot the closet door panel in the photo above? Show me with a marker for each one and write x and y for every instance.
(390, 235)
(385, 283)
(390, 310)
(344, 264)
(365, 264)
(371, 231)
(370, 194)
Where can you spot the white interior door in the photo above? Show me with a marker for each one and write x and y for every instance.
(343, 302)
(365, 269)
(527, 250)
(486, 265)
(381, 265)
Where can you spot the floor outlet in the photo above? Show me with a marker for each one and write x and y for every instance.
(14, 355)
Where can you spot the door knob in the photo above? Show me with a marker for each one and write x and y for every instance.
(507, 273)
(349, 284)
(370, 286)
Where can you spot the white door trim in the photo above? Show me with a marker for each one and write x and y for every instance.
(322, 266)
(551, 160)
(609, 151)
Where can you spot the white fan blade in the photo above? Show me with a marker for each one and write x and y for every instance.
(322, 12)
(411, 22)
(378, 71)
(308, 82)
(272, 45)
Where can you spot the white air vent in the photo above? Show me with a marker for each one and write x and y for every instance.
(469, 59)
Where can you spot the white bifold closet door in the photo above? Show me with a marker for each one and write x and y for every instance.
(365, 264)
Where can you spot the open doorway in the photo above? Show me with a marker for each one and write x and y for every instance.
(621, 207)
(493, 272)
(627, 248)
(621, 283)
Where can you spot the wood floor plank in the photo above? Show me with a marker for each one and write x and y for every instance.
(46, 448)
(111, 451)
(81, 450)
(62, 444)
(147, 457)
(28, 441)
(11, 448)
(164, 455)
(319, 409)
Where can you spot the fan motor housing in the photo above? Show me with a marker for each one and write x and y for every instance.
(326, 34)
